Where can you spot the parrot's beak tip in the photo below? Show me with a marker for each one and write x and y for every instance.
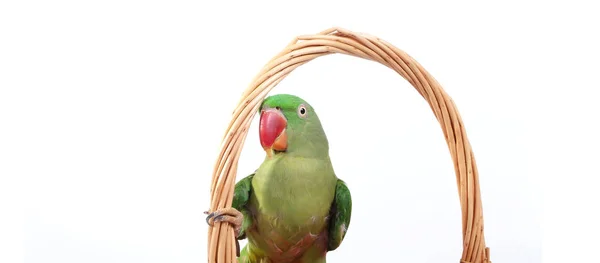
(269, 152)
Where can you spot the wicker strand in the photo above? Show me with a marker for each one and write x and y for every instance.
(302, 49)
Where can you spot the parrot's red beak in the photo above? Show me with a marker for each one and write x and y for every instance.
(272, 131)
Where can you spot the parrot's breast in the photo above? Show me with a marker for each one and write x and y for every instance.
(290, 204)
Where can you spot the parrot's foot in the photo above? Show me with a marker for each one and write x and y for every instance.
(229, 215)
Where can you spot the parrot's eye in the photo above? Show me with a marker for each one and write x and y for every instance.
(302, 111)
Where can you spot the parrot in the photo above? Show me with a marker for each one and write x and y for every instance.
(293, 208)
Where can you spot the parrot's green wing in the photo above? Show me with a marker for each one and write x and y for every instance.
(241, 195)
(340, 212)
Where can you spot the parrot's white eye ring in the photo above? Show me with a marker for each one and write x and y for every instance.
(302, 111)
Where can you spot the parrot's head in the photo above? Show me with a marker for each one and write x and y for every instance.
(289, 125)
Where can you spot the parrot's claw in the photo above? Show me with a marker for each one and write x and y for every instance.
(210, 215)
(229, 215)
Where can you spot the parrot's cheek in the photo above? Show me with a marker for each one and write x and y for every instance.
(272, 130)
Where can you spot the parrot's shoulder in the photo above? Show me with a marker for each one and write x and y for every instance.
(341, 211)
(242, 191)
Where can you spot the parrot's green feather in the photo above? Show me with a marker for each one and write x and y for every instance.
(242, 191)
(340, 213)
(241, 195)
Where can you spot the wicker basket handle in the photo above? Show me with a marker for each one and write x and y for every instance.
(221, 240)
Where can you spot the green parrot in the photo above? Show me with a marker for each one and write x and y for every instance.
(293, 208)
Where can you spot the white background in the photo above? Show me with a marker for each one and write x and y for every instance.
(111, 115)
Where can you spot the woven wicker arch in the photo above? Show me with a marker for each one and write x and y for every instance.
(221, 241)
